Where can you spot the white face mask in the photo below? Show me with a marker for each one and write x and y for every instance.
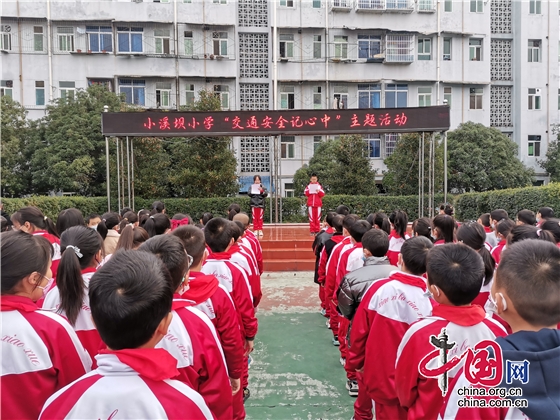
(493, 307)
(428, 294)
(493, 225)
(94, 227)
(434, 237)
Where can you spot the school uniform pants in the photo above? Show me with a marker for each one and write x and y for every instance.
(322, 297)
(258, 214)
(363, 406)
(314, 219)
(333, 318)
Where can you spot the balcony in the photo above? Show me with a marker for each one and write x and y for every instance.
(426, 6)
(399, 49)
(400, 6)
(342, 5)
(372, 6)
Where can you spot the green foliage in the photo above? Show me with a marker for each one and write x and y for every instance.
(342, 166)
(401, 177)
(552, 162)
(483, 159)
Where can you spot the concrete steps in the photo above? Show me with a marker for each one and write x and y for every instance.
(287, 247)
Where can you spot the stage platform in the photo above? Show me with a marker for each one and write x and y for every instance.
(287, 247)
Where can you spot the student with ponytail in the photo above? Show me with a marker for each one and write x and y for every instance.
(399, 222)
(41, 353)
(503, 228)
(180, 219)
(32, 220)
(68, 218)
(110, 223)
(443, 230)
(423, 227)
(132, 238)
(157, 224)
(522, 232)
(157, 207)
(380, 221)
(82, 251)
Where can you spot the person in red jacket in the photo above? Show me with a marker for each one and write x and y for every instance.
(503, 228)
(243, 257)
(315, 193)
(41, 353)
(385, 313)
(191, 337)
(250, 240)
(455, 272)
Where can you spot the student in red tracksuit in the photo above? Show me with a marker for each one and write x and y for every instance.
(242, 257)
(41, 353)
(219, 239)
(399, 223)
(503, 228)
(314, 204)
(131, 300)
(257, 205)
(317, 247)
(455, 273)
(385, 313)
(191, 337)
(250, 240)
(443, 231)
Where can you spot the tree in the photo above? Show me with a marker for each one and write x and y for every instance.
(401, 177)
(342, 166)
(552, 162)
(203, 166)
(482, 159)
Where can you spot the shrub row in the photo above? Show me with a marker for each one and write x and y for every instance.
(467, 206)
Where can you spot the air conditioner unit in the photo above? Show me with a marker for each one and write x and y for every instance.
(5, 28)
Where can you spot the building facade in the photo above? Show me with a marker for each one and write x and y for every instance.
(495, 62)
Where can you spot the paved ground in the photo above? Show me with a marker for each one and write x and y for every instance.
(296, 373)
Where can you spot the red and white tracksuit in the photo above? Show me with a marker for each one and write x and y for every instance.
(192, 340)
(55, 242)
(128, 384)
(314, 205)
(243, 258)
(465, 326)
(251, 241)
(330, 280)
(385, 313)
(497, 251)
(258, 216)
(322, 274)
(85, 328)
(395, 245)
(41, 354)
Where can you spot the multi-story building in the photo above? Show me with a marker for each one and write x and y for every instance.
(494, 62)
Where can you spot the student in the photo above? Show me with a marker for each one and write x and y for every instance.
(473, 235)
(381, 322)
(232, 210)
(157, 224)
(241, 256)
(191, 337)
(314, 203)
(32, 220)
(380, 221)
(443, 230)
(132, 238)
(82, 251)
(496, 216)
(455, 272)
(219, 239)
(399, 223)
(40, 351)
(131, 301)
(342, 209)
(158, 208)
(68, 218)
(552, 226)
(353, 286)
(4, 225)
(210, 297)
(503, 228)
(484, 221)
(129, 219)
(319, 243)
(423, 227)
(526, 266)
(526, 217)
(206, 217)
(93, 220)
(5, 215)
(110, 221)
(447, 209)
(544, 214)
(250, 240)
(180, 219)
(258, 205)
(125, 210)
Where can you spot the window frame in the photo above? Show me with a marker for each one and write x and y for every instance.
(535, 7)
(393, 89)
(6, 90)
(40, 93)
(101, 33)
(532, 50)
(67, 91)
(287, 147)
(447, 56)
(222, 91)
(67, 37)
(38, 39)
(373, 139)
(188, 39)
(287, 3)
(372, 92)
(475, 50)
(317, 97)
(6, 38)
(534, 99)
(448, 5)
(162, 38)
(317, 44)
(190, 88)
(130, 33)
(370, 42)
(448, 95)
(136, 86)
(286, 43)
(287, 96)
(220, 43)
(342, 45)
(422, 43)
(534, 145)
(425, 95)
(476, 94)
(477, 5)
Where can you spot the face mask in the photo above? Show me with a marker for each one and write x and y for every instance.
(538, 219)
(428, 294)
(493, 307)
(493, 225)
(94, 227)
(47, 288)
(364, 257)
(434, 237)
(399, 266)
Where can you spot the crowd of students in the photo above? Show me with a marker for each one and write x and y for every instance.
(133, 315)
(407, 307)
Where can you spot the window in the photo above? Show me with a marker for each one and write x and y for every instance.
(475, 49)
(317, 97)
(287, 97)
(396, 96)
(40, 93)
(287, 3)
(447, 49)
(5, 40)
(534, 52)
(317, 46)
(161, 37)
(534, 146)
(340, 47)
(373, 145)
(475, 98)
(447, 95)
(37, 38)
(289, 189)
(286, 45)
(368, 46)
(534, 98)
(400, 48)
(288, 147)
(188, 43)
(535, 7)
(67, 89)
(130, 39)
(424, 48)
(220, 43)
(390, 143)
(448, 5)
(134, 91)
(107, 83)
(316, 142)
(6, 88)
(219, 1)
(189, 99)
(65, 38)
(369, 96)
(340, 97)
(477, 6)
(222, 92)
(163, 94)
(424, 96)
(100, 38)
(316, 4)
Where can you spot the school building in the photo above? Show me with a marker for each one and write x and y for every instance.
(495, 62)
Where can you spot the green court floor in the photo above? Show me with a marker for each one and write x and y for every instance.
(296, 372)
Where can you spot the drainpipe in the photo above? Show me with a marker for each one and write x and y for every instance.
(439, 50)
(49, 28)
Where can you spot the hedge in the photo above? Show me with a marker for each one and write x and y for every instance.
(467, 206)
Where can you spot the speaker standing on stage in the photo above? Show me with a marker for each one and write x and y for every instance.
(258, 193)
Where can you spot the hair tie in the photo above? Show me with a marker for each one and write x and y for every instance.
(76, 250)
(176, 223)
(126, 218)
(45, 218)
(104, 220)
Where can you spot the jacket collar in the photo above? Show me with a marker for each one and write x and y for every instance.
(155, 364)
(219, 256)
(376, 261)
(13, 303)
(409, 279)
(466, 316)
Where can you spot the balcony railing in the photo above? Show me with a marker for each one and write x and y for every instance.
(399, 49)
(370, 5)
(342, 5)
(426, 6)
(402, 6)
